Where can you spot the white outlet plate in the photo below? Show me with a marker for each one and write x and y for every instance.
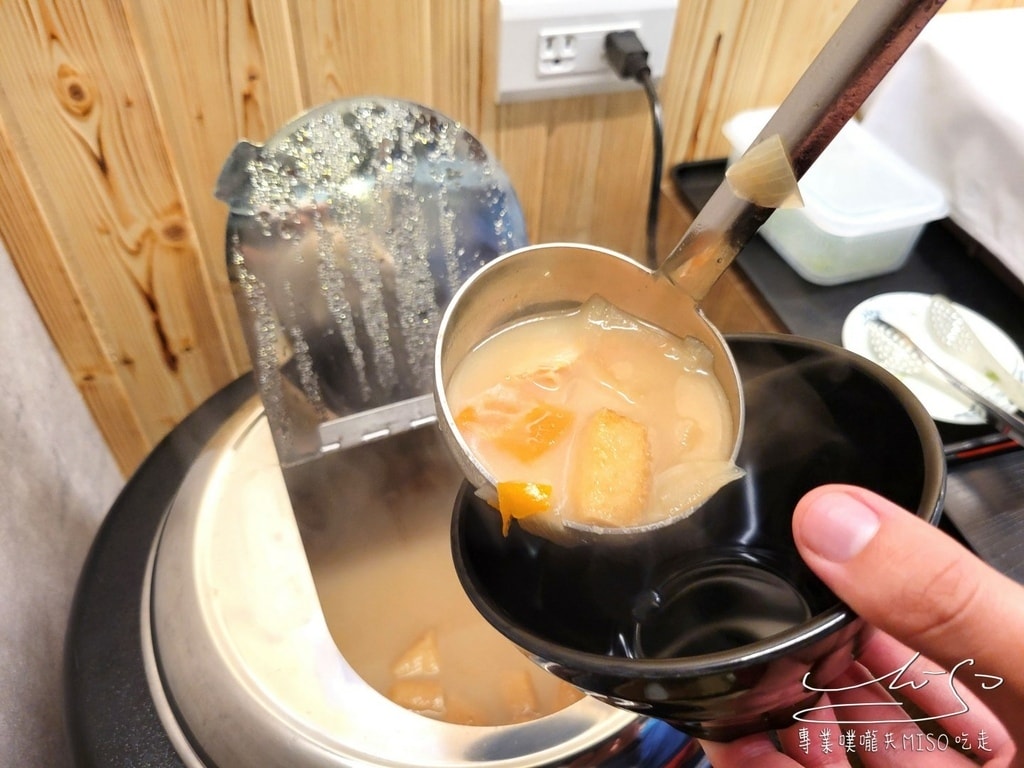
(555, 48)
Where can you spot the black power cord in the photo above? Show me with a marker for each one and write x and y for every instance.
(628, 58)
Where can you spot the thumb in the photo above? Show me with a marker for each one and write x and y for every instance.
(914, 582)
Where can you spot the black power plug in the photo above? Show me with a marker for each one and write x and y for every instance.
(626, 54)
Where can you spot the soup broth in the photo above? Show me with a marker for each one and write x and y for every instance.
(383, 571)
(595, 418)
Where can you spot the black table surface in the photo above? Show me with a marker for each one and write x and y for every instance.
(985, 496)
(940, 262)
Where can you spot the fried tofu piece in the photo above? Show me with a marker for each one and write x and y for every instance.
(423, 695)
(420, 658)
(610, 473)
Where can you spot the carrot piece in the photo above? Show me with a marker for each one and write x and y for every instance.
(518, 499)
(535, 432)
(523, 428)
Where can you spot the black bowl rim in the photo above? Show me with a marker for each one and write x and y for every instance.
(815, 629)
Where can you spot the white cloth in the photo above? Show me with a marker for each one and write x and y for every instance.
(953, 107)
(57, 479)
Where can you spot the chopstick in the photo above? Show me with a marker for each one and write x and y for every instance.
(979, 447)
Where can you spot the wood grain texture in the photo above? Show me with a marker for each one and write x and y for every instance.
(379, 48)
(81, 118)
(117, 115)
(49, 281)
(456, 60)
(229, 74)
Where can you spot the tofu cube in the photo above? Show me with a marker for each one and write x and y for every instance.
(420, 658)
(610, 473)
(420, 694)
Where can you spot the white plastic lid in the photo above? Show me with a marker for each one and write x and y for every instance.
(857, 186)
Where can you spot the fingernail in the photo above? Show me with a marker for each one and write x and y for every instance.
(838, 526)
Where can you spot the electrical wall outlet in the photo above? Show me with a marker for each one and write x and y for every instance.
(555, 48)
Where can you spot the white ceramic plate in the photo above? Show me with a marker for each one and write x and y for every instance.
(907, 311)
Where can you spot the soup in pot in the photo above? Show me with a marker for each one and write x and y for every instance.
(381, 561)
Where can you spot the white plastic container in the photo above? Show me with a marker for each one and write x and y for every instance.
(864, 207)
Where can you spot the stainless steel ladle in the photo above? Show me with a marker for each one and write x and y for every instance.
(544, 278)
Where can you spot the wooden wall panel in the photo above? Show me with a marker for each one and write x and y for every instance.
(82, 121)
(573, 140)
(229, 73)
(456, 60)
(622, 179)
(379, 48)
(116, 116)
(48, 279)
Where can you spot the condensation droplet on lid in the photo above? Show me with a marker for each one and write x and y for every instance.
(403, 205)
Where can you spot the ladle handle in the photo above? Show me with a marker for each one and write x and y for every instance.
(863, 49)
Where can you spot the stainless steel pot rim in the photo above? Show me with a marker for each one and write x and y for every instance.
(164, 709)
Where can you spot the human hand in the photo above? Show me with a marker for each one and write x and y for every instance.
(923, 591)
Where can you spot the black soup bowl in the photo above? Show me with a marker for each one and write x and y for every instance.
(714, 624)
